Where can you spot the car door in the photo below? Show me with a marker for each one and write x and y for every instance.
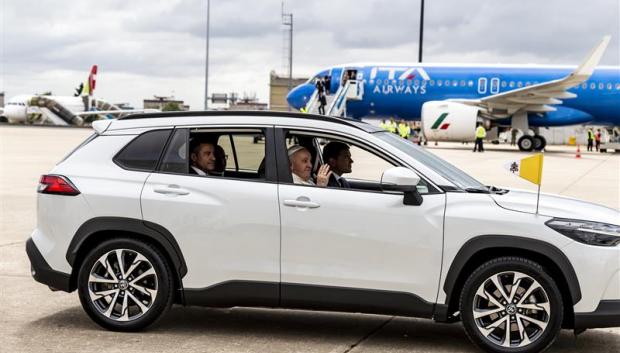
(359, 249)
(227, 226)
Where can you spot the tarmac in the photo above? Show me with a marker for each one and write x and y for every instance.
(34, 319)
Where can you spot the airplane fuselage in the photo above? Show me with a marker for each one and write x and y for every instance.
(399, 90)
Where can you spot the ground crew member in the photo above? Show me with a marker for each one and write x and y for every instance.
(303, 110)
(597, 139)
(403, 130)
(590, 139)
(392, 126)
(481, 133)
(383, 125)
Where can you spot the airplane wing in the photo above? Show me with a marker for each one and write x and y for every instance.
(538, 98)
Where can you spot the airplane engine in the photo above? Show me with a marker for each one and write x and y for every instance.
(449, 121)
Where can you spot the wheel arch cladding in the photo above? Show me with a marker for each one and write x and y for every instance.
(483, 248)
(98, 229)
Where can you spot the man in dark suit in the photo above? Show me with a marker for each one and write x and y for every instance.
(338, 156)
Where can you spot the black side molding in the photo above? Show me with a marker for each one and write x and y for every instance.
(43, 273)
(310, 297)
(147, 229)
(485, 242)
(607, 314)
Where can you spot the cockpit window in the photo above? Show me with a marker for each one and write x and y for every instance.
(321, 74)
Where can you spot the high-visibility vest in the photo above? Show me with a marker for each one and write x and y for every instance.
(303, 110)
(383, 125)
(402, 130)
(590, 135)
(392, 127)
(480, 132)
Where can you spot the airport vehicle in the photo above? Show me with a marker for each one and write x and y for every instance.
(450, 99)
(413, 236)
(63, 110)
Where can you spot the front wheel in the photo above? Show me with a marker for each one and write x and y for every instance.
(511, 304)
(125, 284)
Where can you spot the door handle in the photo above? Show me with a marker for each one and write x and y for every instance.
(171, 190)
(301, 203)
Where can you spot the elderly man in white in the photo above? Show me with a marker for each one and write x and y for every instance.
(301, 167)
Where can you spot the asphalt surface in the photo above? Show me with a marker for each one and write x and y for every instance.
(34, 319)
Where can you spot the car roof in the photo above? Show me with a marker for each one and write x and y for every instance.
(149, 120)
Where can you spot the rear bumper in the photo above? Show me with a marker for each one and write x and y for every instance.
(607, 314)
(43, 273)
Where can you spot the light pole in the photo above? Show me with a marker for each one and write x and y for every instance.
(207, 58)
(421, 32)
(287, 20)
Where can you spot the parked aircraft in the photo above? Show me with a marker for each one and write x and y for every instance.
(62, 110)
(451, 99)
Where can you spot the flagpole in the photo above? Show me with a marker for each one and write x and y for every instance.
(537, 198)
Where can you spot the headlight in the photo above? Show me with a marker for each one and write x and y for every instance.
(591, 233)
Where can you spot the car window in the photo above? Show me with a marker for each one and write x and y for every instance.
(143, 152)
(216, 153)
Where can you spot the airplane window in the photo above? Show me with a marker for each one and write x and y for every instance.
(372, 82)
(584, 85)
(416, 82)
(503, 84)
(618, 86)
(393, 82)
(609, 86)
(601, 85)
(470, 83)
(447, 83)
(454, 83)
(431, 82)
(378, 81)
(528, 83)
(512, 84)
(439, 83)
(520, 84)
(592, 85)
(462, 83)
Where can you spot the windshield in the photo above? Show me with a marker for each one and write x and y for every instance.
(441, 167)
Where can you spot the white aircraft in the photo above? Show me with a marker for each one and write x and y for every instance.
(63, 110)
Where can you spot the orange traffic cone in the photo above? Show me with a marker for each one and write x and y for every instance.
(578, 155)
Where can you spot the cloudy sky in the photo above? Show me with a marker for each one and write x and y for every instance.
(148, 47)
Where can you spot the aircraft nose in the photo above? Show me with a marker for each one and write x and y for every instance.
(298, 97)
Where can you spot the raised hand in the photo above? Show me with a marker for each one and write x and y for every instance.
(322, 177)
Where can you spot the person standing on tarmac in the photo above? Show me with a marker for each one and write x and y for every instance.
(403, 130)
(590, 139)
(392, 127)
(383, 125)
(597, 139)
(481, 133)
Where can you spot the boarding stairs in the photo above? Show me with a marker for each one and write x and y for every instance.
(337, 103)
(46, 109)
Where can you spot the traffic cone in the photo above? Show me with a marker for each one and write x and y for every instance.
(578, 155)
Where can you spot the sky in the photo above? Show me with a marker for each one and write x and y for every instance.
(149, 47)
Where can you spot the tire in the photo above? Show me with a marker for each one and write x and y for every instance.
(525, 143)
(539, 142)
(141, 297)
(536, 297)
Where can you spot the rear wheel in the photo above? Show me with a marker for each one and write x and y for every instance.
(511, 304)
(539, 142)
(125, 284)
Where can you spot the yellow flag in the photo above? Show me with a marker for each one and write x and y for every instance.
(529, 168)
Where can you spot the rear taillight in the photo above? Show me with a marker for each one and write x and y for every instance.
(57, 185)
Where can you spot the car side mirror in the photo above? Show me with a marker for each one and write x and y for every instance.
(405, 180)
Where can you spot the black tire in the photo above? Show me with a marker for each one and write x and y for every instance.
(540, 340)
(525, 143)
(162, 282)
(539, 143)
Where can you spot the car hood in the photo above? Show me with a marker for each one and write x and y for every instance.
(556, 206)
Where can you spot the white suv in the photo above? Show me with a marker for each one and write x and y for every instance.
(124, 221)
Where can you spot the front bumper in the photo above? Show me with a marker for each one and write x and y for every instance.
(43, 273)
(607, 314)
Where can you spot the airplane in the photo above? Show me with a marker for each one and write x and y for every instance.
(63, 110)
(451, 99)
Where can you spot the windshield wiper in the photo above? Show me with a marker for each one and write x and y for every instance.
(478, 190)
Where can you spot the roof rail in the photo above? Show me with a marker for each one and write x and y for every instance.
(345, 121)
